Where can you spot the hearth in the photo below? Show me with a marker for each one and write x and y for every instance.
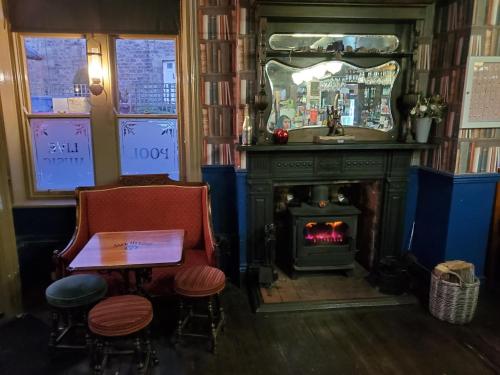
(323, 237)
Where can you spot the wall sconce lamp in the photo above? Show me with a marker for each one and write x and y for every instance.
(95, 71)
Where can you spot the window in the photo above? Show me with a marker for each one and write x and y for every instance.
(68, 128)
(147, 106)
(62, 150)
(57, 74)
(149, 146)
(58, 112)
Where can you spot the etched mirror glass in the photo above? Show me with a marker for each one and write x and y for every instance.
(301, 96)
(334, 43)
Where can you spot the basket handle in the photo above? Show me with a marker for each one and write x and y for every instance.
(461, 281)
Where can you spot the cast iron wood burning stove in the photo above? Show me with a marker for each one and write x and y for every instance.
(323, 238)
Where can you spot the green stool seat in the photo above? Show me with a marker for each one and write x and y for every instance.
(76, 291)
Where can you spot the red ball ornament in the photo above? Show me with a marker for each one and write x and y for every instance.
(280, 136)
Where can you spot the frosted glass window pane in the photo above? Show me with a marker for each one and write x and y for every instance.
(62, 152)
(149, 146)
(57, 75)
(146, 76)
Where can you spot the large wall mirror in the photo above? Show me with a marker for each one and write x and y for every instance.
(301, 96)
(381, 44)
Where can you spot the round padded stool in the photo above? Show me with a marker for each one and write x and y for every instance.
(76, 290)
(200, 282)
(122, 317)
(70, 299)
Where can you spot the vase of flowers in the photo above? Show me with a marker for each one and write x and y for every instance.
(425, 111)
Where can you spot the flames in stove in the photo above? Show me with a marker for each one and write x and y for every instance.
(325, 233)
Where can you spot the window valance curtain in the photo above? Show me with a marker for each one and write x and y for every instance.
(95, 16)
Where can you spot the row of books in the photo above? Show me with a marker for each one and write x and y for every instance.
(486, 43)
(454, 16)
(451, 124)
(245, 54)
(219, 154)
(217, 121)
(216, 58)
(441, 158)
(461, 50)
(205, 3)
(477, 158)
(424, 56)
(487, 133)
(449, 85)
(246, 91)
(216, 27)
(217, 93)
(245, 26)
(486, 12)
(450, 50)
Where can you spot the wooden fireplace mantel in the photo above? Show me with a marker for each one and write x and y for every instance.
(357, 145)
(300, 164)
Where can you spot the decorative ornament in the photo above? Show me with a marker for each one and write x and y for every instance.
(280, 136)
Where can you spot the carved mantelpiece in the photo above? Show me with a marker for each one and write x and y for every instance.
(272, 165)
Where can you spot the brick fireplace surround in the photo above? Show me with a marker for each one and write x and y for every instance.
(269, 166)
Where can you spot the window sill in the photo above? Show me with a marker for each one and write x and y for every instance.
(69, 202)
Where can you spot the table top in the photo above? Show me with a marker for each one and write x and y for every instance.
(134, 249)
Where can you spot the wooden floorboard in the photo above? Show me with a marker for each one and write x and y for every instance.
(374, 340)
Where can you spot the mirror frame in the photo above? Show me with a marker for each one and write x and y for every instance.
(347, 127)
(362, 134)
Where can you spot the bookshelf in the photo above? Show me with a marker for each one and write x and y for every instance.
(462, 29)
(245, 67)
(479, 149)
(227, 75)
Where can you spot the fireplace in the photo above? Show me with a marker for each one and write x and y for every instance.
(323, 238)
(383, 166)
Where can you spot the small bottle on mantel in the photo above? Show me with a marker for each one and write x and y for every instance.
(246, 132)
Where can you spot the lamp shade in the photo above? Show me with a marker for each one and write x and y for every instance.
(95, 71)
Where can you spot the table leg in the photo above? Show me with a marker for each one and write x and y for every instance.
(142, 275)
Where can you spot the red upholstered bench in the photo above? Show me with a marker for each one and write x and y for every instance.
(120, 318)
(145, 207)
(195, 283)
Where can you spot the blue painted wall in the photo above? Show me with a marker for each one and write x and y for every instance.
(453, 217)
(228, 196)
(222, 191)
(241, 201)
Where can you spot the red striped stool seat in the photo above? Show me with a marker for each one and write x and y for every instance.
(120, 316)
(199, 281)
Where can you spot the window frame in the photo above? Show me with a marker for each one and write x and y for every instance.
(178, 93)
(103, 112)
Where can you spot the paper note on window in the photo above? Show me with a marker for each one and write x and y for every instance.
(60, 105)
(78, 105)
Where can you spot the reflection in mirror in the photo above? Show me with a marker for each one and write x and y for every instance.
(301, 96)
(334, 43)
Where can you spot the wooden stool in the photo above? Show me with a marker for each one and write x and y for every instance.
(195, 283)
(121, 318)
(70, 299)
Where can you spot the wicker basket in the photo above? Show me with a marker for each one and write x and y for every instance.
(453, 302)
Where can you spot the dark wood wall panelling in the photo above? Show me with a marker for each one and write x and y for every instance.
(97, 16)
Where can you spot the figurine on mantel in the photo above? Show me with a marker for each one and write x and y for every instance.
(336, 131)
(333, 122)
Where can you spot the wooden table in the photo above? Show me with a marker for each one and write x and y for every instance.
(135, 250)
